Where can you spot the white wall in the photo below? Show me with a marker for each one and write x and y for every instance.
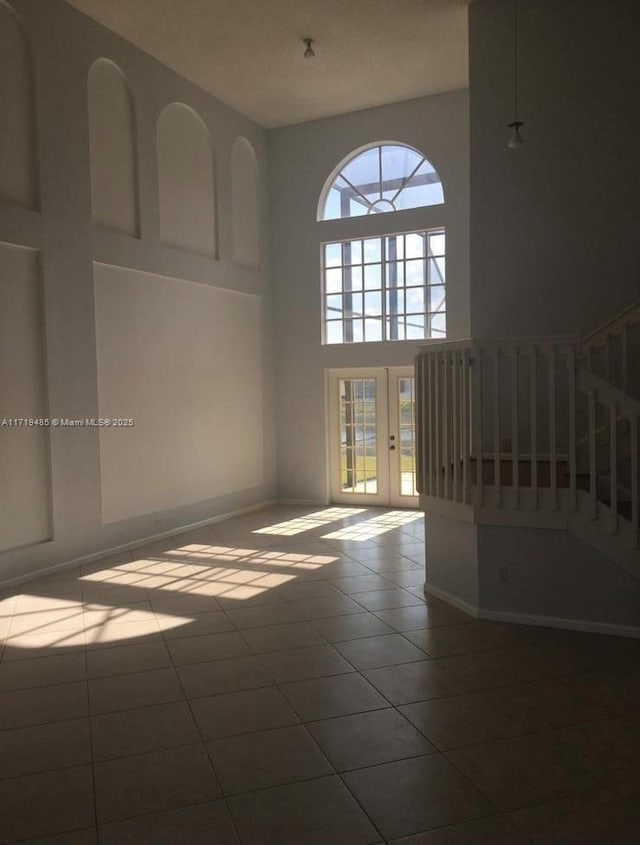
(554, 224)
(174, 307)
(301, 159)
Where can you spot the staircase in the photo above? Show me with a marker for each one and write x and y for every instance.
(536, 433)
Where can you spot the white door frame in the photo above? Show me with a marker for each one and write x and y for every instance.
(388, 446)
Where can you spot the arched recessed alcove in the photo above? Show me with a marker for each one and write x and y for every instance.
(114, 172)
(186, 183)
(244, 203)
(18, 169)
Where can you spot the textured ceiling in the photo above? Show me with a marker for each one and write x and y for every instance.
(248, 53)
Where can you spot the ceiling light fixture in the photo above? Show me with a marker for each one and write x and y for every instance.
(516, 139)
(309, 52)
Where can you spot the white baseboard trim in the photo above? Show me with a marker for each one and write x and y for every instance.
(589, 627)
(610, 628)
(309, 503)
(454, 601)
(67, 564)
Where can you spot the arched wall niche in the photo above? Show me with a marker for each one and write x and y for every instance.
(112, 133)
(244, 204)
(18, 145)
(186, 181)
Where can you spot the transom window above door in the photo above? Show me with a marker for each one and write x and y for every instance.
(381, 178)
(385, 288)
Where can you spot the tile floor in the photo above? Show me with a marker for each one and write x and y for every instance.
(280, 679)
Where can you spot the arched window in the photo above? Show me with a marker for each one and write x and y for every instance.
(386, 177)
(383, 287)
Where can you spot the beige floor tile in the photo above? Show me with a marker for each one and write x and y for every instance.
(144, 729)
(88, 836)
(200, 824)
(407, 578)
(549, 704)
(410, 796)
(461, 720)
(422, 616)
(322, 608)
(269, 758)
(182, 605)
(605, 816)
(387, 650)
(153, 782)
(445, 641)
(219, 676)
(300, 591)
(298, 813)
(339, 695)
(242, 712)
(542, 766)
(120, 660)
(213, 622)
(207, 647)
(366, 739)
(362, 583)
(384, 561)
(39, 748)
(495, 668)
(46, 643)
(302, 663)
(43, 705)
(64, 801)
(257, 617)
(386, 599)
(415, 682)
(138, 689)
(352, 626)
(494, 830)
(281, 637)
(42, 671)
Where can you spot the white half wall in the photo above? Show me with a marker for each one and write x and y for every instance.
(184, 361)
(24, 450)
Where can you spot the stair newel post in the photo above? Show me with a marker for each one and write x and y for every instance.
(573, 484)
(455, 421)
(613, 465)
(533, 395)
(496, 426)
(635, 504)
(593, 479)
(515, 451)
(466, 427)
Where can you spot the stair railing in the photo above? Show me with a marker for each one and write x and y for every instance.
(606, 351)
(518, 425)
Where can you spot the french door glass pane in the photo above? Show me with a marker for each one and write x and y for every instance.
(358, 441)
(406, 426)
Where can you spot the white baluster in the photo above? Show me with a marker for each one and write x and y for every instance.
(593, 480)
(455, 421)
(496, 426)
(635, 504)
(571, 365)
(466, 428)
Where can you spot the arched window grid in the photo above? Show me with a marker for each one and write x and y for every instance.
(385, 287)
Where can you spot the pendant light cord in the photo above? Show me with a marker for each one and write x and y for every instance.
(515, 61)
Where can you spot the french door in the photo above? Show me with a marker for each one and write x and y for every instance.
(372, 436)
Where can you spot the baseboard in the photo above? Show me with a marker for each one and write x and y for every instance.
(309, 503)
(454, 601)
(610, 628)
(67, 564)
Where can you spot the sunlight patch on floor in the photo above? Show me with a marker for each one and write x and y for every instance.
(300, 524)
(374, 527)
